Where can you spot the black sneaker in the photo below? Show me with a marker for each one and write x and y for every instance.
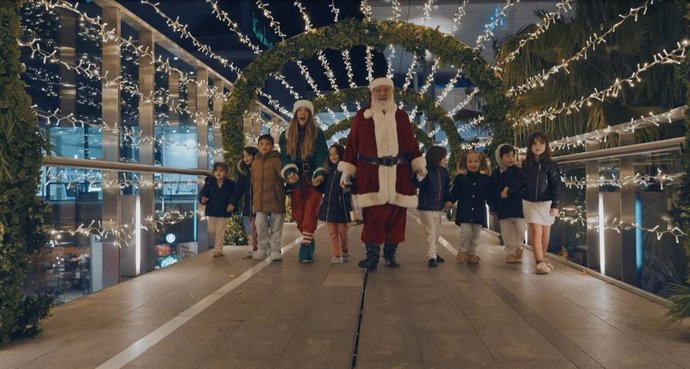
(432, 263)
(439, 259)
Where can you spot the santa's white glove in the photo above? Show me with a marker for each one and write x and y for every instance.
(345, 180)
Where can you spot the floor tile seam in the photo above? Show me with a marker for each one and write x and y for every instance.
(181, 319)
(534, 319)
(487, 283)
(450, 249)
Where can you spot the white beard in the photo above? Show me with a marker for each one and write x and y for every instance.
(388, 106)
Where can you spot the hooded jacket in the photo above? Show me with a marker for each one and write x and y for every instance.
(268, 192)
(434, 189)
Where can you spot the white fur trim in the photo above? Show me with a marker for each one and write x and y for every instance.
(303, 104)
(418, 164)
(319, 169)
(285, 168)
(406, 201)
(381, 81)
(367, 114)
(347, 168)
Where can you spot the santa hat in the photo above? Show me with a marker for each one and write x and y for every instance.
(303, 104)
(381, 81)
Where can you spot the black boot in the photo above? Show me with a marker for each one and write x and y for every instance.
(389, 250)
(372, 260)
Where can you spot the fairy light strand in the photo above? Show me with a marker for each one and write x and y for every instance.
(489, 27)
(592, 42)
(673, 57)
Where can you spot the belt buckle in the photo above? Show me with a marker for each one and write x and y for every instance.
(389, 161)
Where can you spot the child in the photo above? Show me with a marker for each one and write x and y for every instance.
(471, 189)
(216, 195)
(540, 201)
(507, 188)
(434, 196)
(268, 199)
(332, 209)
(243, 191)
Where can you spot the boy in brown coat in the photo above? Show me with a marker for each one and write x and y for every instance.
(268, 199)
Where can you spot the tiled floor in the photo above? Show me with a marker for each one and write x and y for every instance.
(289, 315)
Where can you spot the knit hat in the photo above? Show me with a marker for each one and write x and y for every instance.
(303, 104)
(381, 81)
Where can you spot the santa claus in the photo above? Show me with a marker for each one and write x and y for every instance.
(381, 155)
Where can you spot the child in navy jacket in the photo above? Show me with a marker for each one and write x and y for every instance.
(434, 196)
(243, 190)
(216, 195)
(471, 190)
(332, 209)
(507, 189)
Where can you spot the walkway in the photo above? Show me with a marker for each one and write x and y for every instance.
(211, 313)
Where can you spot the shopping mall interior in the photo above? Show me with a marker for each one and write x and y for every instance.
(114, 113)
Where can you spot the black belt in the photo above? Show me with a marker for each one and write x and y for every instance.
(387, 161)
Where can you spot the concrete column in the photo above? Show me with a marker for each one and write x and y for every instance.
(147, 248)
(111, 148)
(628, 193)
(200, 100)
(217, 116)
(173, 99)
(592, 200)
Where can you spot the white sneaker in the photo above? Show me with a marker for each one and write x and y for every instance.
(249, 254)
(542, 268)
(259, 254)
(276, 256)
(337, 260)
(346, 257)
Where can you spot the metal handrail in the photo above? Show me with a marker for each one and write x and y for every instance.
(123, 167)
(670, 144)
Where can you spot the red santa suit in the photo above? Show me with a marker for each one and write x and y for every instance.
(381, 156)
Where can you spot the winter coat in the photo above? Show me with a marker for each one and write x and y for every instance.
(243, 189)
(307, 168)
(218, 197)
(268, 193)
(471, 191)
(542, 182)
(332, 207)
(512, 206)
(387, 138)
(434, 189)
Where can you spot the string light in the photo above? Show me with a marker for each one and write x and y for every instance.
(601, 135)
(638, 179)
(489, 27)
(664, 57)
(427, 85)
(273, 23)
(180, 28)
(389, 61)
(449, 87)
(592, 42)
(370, 64)
(619, 226)
(395, 4)
(427, 11)
(457, 16)
(463, 103)
(366, 10)
(563, 7)
(234, 27)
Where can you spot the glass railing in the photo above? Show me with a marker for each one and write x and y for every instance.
(87, 252)
(615, 214)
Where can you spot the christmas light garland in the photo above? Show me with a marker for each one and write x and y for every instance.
(591, 44)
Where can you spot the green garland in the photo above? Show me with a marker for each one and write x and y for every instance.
(22, 213)
(379, 34)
